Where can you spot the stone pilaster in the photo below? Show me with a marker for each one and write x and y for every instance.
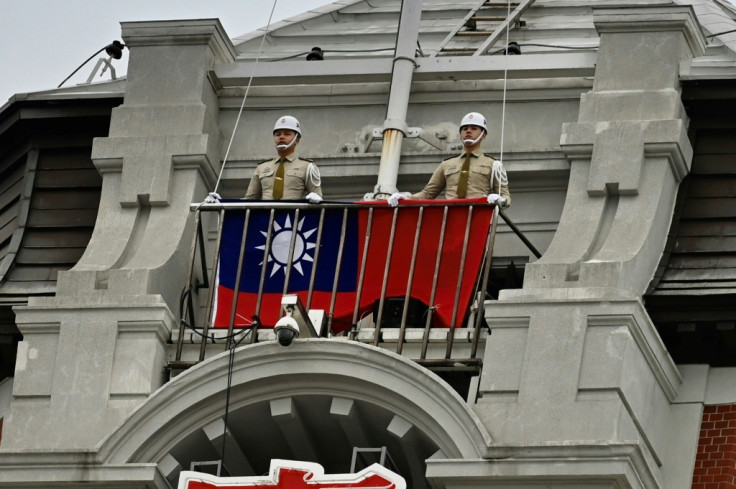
(576, 381)
(94, 352)
(628, 152)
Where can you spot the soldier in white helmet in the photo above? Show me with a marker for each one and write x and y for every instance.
(286, 177)
(470, 175)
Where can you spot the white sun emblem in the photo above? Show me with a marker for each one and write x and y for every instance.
(281, 241)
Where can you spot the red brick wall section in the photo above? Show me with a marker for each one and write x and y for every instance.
(715, 464)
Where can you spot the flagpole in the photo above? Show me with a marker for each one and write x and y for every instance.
(395, 127)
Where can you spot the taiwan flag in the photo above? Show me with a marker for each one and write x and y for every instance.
(320, 251)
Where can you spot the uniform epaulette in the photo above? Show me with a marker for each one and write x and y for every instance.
(306, 159)
(490, 156)
(450, 157)
(262, 162)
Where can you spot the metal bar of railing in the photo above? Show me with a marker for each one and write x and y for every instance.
(315, 263)
(361, 275)
(290, 259)
(190, 275)
(428, 324)
(458, 286)
(327, 205)
(338, 267)
(409, 281)
(518, 232)
(202, 256)
(484, 281)
(190, 309)
(264, 266)
(238, 274)
(211, 293)
(384, 284)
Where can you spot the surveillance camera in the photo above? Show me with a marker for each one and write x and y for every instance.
(286, 330)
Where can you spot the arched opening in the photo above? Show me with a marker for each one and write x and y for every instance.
(316, 401)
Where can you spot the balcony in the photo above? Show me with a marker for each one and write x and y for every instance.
(407, 279)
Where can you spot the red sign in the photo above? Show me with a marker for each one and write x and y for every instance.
(290, 474)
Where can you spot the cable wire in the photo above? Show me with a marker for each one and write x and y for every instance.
(230, 363)
(245, 96)
(230, 367)
(505, 79)
(325, 51)
(231, 352)
(720, 33)
(80, 66)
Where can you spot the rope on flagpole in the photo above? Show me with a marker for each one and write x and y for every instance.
(505, 79)
(231, 353)
(245, 96)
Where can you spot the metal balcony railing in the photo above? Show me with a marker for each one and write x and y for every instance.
(415, 274)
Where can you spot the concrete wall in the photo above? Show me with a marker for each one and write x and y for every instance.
(94, 352)
(577, 387)
(574, 358)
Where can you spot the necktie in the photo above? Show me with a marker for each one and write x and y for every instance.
(462, 185)
(278, 183)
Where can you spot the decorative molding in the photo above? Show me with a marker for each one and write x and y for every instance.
(180, 32)
(652, 19)
(646, 338)
(419, 397)
(608, 465)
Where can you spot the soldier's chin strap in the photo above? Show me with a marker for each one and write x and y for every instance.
(471, 142)
(283, 147)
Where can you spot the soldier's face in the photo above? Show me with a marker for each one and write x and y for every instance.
(470, 132)
(283, 136)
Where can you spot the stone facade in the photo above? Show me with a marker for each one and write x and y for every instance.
(576, 388)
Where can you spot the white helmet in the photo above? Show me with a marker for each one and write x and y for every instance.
(288, 122)
(474, 119)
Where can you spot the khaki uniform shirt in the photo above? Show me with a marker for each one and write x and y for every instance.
(297, 179)
(480, 179)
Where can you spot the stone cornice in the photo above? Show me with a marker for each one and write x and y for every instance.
(619, 310)
(181, 32)
(74, 469)
(558, 466)
(652, 19)
(418, 397)
(666, 138)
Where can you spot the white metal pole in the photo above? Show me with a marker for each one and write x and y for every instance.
(395, 127)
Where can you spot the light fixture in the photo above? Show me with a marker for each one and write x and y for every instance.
(114, 50)
(315, 54)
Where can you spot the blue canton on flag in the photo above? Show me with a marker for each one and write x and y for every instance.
(305, 234)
